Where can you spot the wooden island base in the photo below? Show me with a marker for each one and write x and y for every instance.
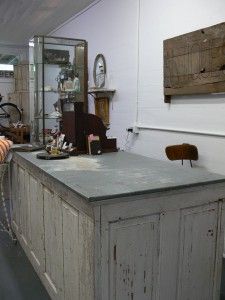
(120, 227)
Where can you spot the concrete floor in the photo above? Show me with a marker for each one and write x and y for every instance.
(223, 282)
(18, 280)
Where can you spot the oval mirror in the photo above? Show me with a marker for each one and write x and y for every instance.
(99, 71)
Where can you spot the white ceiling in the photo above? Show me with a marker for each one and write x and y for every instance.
(22, 19)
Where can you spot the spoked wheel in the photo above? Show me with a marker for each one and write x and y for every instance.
(9, 114)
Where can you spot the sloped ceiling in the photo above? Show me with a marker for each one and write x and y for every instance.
(22, 19)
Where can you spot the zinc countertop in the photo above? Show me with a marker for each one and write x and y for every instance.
(119, 174)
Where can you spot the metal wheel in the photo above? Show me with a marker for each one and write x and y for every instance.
(9, 114)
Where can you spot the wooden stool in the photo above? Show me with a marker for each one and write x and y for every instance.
(181, 152)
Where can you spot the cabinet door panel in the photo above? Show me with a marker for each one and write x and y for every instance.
(37, 224)
(15, 196)
(86, 250)
(24, 205)
(197, 253)
(53, 243)
(134, 246)
(71, 252)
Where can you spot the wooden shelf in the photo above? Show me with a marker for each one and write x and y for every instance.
(97, 92)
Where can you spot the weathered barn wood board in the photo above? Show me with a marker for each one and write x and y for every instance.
(194, 63)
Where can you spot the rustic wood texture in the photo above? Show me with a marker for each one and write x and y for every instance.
(37, 225)
(198, 227)
(53, 242)
(183, 151)
(57, 238)
(133, 258)
(186, 238)
(165, 245)
(194, 63)
(71, 251)
(15, 197)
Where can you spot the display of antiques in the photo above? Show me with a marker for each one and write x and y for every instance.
(60, 98)
(57, 148)
(60, 80)
(194, 63)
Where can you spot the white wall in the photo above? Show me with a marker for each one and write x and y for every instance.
(130, 34)
(20, 51)
(6, 86)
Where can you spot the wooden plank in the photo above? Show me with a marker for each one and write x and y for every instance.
(24, 206)
(71, 252)
(86, 254)
(210, 37)
(15, 196)
(53, 243)
(97, 253)
(133, 258)
(194, 63)
(37, 222)
(168, 258)
(216, 87)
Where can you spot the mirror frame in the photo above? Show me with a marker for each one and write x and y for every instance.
(99, 56)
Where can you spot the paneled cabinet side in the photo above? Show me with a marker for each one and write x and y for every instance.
(14, 195)
(53, 244)
(57, 238)
(37, 222)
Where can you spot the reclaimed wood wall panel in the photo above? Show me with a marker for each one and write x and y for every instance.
(194, 63)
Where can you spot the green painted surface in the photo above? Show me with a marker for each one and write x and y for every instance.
(120, 174)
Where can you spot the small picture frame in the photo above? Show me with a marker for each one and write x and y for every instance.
(58, 57)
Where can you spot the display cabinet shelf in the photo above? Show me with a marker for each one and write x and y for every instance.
(55, 61)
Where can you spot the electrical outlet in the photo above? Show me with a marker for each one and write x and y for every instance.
(133, 129)
(129, 129)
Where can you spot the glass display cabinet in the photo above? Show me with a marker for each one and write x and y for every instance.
(59, 80)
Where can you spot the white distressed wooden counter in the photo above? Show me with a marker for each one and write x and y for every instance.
(120, 227)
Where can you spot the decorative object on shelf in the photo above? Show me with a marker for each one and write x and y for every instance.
(99, 71)
(47, 156)
(194, 63)
(94, 145)
(54, 56)
(72, 84)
